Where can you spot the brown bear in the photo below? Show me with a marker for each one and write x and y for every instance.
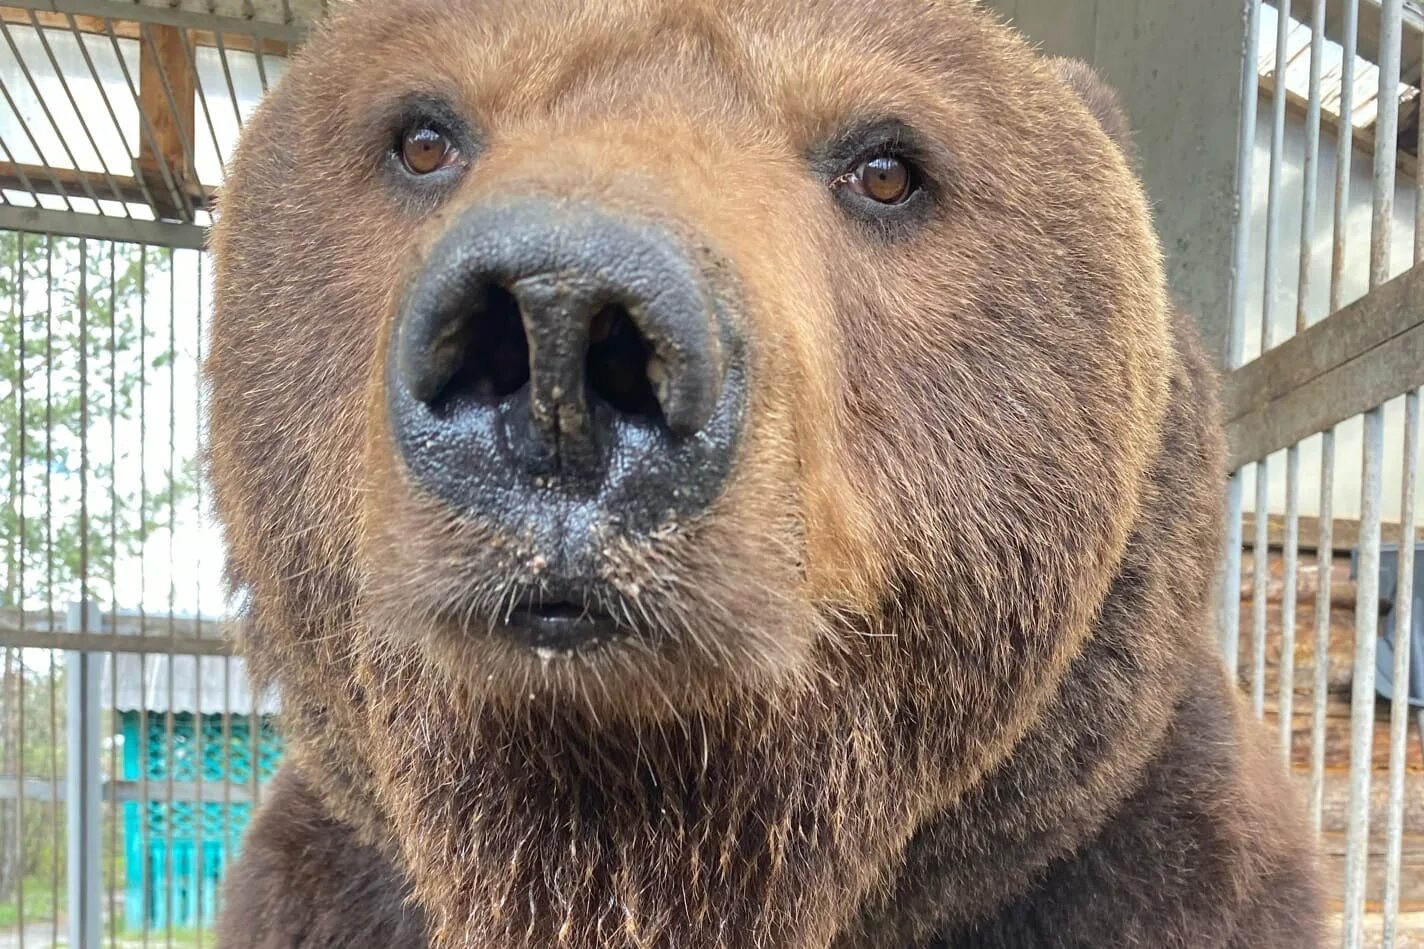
(724, 473)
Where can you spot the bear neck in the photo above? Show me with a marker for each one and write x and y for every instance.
(759, 827)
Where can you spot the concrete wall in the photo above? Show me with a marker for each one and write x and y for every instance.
(1177, 66)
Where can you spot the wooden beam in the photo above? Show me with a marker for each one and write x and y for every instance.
(129, 30)
(1350, 362)
(167, 85)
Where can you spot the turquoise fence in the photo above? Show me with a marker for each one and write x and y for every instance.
(176, 853)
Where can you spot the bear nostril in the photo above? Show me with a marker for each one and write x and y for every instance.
(486, 354)
(622, 369)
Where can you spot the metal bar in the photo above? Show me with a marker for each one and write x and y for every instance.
(1229, 585)
(19, 310)
(287, 31)
(1286, 690)
(82, 776)
(1362, 705)
(1261, 582)
(78, 112)
(125, 791)
(199, 716)
(34, 143)
(1246, 139)
(169, 744)
(49, 566)
(1369, 43)
(103, 227)
(115, 723)
(144, 834)
(1325, 562)
(1399, 704)
(1310, 169)
(110, 642)
(43, 102)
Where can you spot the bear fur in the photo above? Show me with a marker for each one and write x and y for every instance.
(934, 669)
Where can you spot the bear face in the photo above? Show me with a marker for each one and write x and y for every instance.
(675, 450)
(888, 347)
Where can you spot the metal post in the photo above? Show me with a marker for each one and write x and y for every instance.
(82, 781)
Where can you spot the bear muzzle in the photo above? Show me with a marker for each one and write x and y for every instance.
(571, 377)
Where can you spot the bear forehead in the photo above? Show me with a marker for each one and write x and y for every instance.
(812, 60)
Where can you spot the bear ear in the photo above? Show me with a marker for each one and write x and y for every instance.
(1101, 100)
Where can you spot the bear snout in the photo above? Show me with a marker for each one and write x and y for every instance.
(569, 376)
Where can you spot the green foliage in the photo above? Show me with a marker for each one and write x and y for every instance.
(79, 357)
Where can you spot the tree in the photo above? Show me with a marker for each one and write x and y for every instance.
(78, 357)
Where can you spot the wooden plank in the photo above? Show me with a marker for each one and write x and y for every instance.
(167, 86)
(1363, 325)
(1351, 361)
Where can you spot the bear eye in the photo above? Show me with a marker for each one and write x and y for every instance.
(884, 179)
(425, 149)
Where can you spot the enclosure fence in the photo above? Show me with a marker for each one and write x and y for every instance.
(1324, 430)
(132, 749)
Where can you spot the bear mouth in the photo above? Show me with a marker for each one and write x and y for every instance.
(560, 625)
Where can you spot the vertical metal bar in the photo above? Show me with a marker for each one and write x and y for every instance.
(145, 806)
(1310, 179)
(49, 578)
(1325, 565)
(200, 807)
(1286, 692)
(1260, 586)
(23, 435)
(1229, 608)
(1261, 548)
(1310, 170)
(115, 720)
(169, 746)
(1399, 704)
(1362, 705)
(82, 793)
(1245, 143)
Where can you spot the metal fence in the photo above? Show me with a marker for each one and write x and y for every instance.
(131, 750)
(1324, 429)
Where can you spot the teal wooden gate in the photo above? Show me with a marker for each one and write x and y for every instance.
(176, 852)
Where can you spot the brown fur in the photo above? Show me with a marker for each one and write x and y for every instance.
(934, 668)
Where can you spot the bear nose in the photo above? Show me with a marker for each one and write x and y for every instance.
(555, 350)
